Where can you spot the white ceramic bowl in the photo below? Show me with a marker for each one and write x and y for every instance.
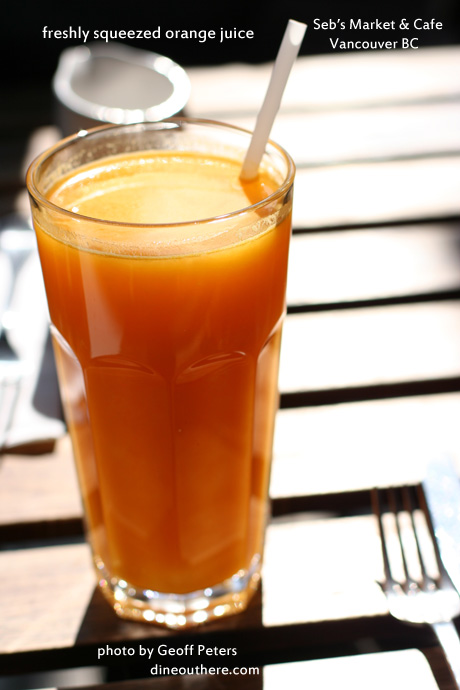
(111, 83)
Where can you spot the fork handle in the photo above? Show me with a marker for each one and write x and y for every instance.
(449, 640)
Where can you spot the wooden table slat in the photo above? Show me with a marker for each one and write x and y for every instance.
(350, 195)
(337, 267)
(334, 137)
(370, 346)
(379, 670)
(330, 82)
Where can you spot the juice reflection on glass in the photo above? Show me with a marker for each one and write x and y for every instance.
(165, 277)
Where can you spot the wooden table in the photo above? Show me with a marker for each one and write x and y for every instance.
(370, 384)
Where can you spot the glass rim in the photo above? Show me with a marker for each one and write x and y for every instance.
(41, 159)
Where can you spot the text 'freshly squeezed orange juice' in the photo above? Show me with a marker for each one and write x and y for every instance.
(167, 351)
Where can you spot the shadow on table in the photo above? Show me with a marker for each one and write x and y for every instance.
(105, 635)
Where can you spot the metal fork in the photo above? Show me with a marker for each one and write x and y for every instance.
(416, 585)
(17, 242)
(11, 373)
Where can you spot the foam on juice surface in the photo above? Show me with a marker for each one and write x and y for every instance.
(159, 188)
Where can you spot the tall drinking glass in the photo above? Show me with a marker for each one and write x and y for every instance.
(165, 277)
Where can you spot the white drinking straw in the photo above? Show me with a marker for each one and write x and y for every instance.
(289, 49)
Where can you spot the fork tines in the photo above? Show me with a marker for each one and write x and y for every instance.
(410, 556)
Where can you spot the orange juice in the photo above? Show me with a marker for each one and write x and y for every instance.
(167, 334)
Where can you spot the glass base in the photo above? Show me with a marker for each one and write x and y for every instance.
(180, 610)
